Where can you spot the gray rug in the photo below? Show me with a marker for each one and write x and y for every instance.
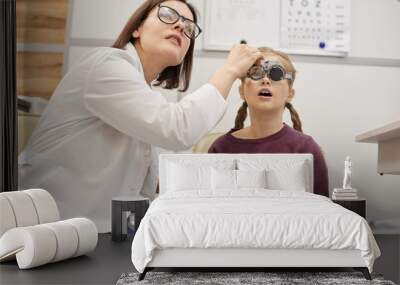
(242, 278)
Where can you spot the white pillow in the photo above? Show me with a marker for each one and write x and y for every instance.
(251, 178)
(281, 174)
(223, 179)
(292, 178)
(183, 177)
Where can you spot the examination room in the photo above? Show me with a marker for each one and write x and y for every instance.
(200, 142)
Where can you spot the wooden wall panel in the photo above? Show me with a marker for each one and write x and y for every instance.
(38, 73)
(41, 21)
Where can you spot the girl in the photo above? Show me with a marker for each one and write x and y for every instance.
(93, 141)
(266, 90)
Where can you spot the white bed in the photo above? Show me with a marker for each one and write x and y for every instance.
(241, 210)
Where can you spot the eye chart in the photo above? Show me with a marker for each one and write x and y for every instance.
(314, 27)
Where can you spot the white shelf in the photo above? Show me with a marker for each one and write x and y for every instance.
(386, 132)
(388, 139)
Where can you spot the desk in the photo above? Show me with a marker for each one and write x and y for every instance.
(388, 237)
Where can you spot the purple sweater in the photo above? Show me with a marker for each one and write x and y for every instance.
(287, 140)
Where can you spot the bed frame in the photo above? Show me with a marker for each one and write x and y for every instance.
(242, 259)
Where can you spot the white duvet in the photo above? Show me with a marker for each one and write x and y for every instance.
(252, 218)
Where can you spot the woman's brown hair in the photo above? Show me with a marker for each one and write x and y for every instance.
(173, 76)
(289, 67)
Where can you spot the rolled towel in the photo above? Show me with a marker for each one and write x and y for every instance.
(87, 233)
(45, 205)
(32, 246)
(67, 239)
(26, 208)
(7, 218)
(40, 244)
(23, 208)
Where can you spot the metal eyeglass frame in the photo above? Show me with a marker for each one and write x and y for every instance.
(267, 66)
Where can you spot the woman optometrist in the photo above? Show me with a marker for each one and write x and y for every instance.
(93, 141)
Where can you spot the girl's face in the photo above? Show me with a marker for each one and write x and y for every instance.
(165, 40)
(266, 94)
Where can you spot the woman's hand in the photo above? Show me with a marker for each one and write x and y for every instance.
(240, 59)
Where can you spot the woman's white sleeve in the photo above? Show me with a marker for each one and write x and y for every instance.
(116, 92)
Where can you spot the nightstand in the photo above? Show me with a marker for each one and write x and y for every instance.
(120, 205)
(358, 206)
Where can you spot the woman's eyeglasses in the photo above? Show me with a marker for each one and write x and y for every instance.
(272, 69)
(170, 16)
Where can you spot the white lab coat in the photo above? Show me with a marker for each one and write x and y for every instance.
(93, 141)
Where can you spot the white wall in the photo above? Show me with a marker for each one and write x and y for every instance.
(335, 101)
(100, 19)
